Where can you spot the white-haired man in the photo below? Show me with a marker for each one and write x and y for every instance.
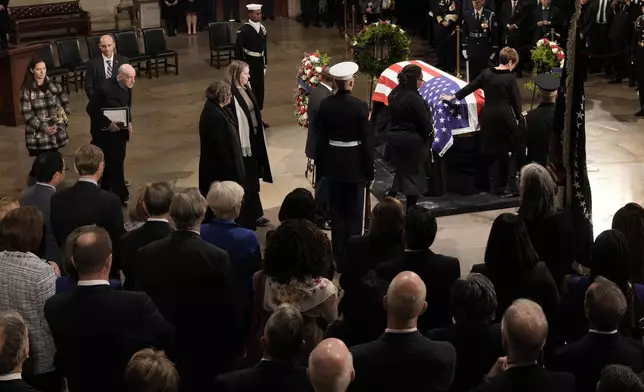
(111, 129)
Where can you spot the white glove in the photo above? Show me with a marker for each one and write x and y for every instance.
(265, 71)
(464, 52)
(492, 56)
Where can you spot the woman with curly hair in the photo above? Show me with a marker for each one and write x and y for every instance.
(298, 270)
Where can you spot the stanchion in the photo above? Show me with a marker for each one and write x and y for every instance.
(353, 19)
(458, 52)
(345, 16)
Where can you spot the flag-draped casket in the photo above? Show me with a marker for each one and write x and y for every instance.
(457, 118)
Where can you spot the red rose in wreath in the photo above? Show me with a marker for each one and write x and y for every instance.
(560, 56)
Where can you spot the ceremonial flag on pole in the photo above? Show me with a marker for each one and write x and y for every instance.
(570, 123)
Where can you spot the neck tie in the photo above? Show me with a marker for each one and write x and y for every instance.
(514, 5)
(478, 16)
(108, 71)
(601, 11)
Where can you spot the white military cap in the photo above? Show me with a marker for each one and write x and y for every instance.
(344, 70)
(254, 7)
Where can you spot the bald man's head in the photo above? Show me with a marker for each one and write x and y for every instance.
(331, 366)
(405, 299)
(106, 44)
(92, 253)
(524, 330)
(127, 75)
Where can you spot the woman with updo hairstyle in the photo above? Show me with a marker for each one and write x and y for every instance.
(629, 220)
(220, 158)
(409, 135)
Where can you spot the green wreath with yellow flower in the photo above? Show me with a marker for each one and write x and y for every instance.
(375, 35)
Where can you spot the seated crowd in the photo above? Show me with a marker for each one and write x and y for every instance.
(172, 301)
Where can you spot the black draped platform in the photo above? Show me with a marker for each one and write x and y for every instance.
(457, 181)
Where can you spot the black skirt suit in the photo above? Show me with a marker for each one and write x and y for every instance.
(408, 139)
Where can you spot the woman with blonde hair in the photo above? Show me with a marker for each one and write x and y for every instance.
(246, 112)
(136, 213)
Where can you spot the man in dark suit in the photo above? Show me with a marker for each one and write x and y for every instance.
(14, 350)
(344, 154)
(5, 24)
(97, 329)
(474, 335)
(157, 198)
(524, 329)
(620, 36)
(402, 354)
(605, 306)
(600, 17)
(98, 69)
(283, 339)
(49, 169)
(191, 282)
(112, 136)
(547, 18)
(317, 94)
(437, 271)
(513, 18)
(331, 366)
(86, 204)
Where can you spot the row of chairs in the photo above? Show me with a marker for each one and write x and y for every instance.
(71, 66)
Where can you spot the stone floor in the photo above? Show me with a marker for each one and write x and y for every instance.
(165, 144)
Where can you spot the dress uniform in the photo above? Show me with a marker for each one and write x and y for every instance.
(480, 44)
(539, 121)
(445, 14)
(250, 47)
(638, 45)
(344, 155)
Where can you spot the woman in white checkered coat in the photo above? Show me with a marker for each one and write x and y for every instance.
(44, 107)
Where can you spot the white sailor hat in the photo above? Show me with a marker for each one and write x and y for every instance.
(254, 7)
(344, 70)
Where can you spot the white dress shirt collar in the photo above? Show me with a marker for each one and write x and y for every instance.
(11, 376)
(97, 282)
(157, 220)
(105, 59)
(409, 330)
(85, 179)
(45, 184)
(613, 332)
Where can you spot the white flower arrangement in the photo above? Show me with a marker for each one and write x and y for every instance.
(308, 74)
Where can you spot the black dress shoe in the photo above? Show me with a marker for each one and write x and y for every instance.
(640, 113)
(265, 124)
(615, 81)
(262, 221)
(324, 225)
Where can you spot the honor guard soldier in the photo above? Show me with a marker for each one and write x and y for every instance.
(480, 43)
(250, 47)
(539, 121)
(445, 14)
(638, 51)
(344, 155)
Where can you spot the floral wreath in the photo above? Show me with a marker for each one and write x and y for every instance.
(383, 33)
(546, 56)
(308, 76)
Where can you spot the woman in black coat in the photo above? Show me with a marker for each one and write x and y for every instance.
(221, 157)
(246, 111)
(408, 135)
(499, 115)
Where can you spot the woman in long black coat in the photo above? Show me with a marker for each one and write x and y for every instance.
(246, 111)
(408, 135)
(221, 156)
(499, 115)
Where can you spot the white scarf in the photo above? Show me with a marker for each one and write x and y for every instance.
(244, 130)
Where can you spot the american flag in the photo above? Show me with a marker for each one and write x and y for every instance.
(458, 118)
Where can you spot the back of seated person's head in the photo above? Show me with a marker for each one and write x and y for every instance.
(420, 228)
(605, 305)
(284, 334)
(405, 300)
(188, 209)
(21, 230)
(14, 342)
(225, 199)
(298, 204)
(610, 258)
(524, 330)
(136, 211)
(509, 247)
(331, 366)
(92, 253)
(538, 192)
(629, 220)
(89, 161)
(473, 300)
(387, 218)
(151, 371)
(157, 198)
(619, 378)
(49, 168)
(297, 249)
(7, 204)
